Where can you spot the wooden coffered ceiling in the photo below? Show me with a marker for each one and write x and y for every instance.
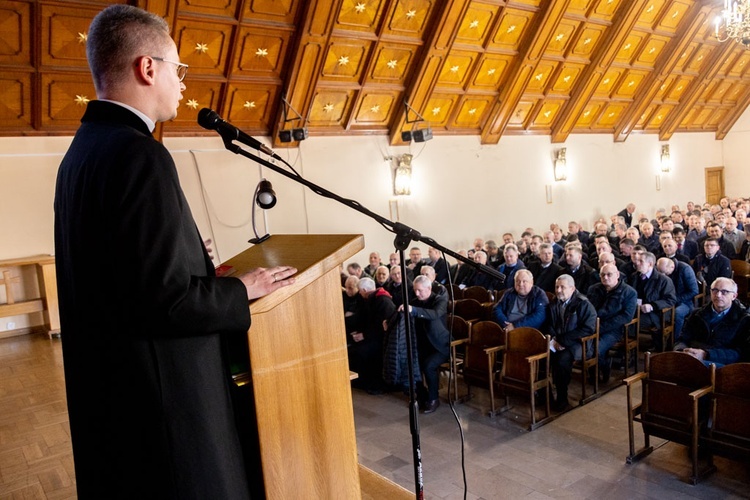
(476, 67)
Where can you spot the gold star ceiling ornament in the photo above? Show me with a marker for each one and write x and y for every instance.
(375, 108)
(249, 105)
(192, 104)
(343, 60)
(81, 100)
(392, 63)
(82, 37)
(360, 7)
(261, 52)
(201, 48)
(328, 107)
(410, 15)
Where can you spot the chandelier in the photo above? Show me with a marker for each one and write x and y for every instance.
(734, 22)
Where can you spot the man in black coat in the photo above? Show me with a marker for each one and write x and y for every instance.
(439, 265)
(712, 263)
(571, 317)
(144, 319)
(718, 332)
(627, 214)
(430, 311)
(655, 292)
(545, 271)
(615, 303)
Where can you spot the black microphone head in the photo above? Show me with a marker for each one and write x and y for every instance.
(208, 118)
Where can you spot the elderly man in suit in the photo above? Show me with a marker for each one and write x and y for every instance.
(161, 423)
(655, 292)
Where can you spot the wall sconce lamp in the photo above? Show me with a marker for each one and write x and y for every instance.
(402, 175)
(666, 161)
(560, 165)
(298, 134)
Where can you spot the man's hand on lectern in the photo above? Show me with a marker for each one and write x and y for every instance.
(262, 281)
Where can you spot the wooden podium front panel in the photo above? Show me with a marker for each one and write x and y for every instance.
(303, 397)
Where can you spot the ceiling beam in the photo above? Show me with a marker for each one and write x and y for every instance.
(540, 30)
(731, 118)
(671, 55)
(315, 27)
(695, 90)
(626, 17)
(444, 28)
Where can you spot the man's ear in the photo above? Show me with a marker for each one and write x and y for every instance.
(146, 70)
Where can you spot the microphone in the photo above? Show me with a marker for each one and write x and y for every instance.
(210, 119)
(266, 197)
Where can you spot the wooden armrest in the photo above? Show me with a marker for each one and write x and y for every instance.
(699, 393)
(458, 342)
(492, 350)
(536, 357)
(634, 378)
(587, 338)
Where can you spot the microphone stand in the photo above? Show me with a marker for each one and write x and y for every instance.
(404, 236)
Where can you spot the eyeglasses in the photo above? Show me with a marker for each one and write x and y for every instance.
(181, 67)
(719, 291)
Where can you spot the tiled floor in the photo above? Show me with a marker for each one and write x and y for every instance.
(579, 455)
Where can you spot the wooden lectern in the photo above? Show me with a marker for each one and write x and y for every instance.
(299, 370)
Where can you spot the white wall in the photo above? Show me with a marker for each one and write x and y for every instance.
(462, 189)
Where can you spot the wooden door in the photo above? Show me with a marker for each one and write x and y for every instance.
(714, 184)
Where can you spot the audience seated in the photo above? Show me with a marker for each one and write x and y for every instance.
(582, 273)
(655, 292)
(354, 269)
(715, 231)
(545, 271)
(438, 264)
(697, 228)
(685, 286)
(494, 256)
(571, 317)
(475, 277)
(669, 250)
(352, 305)
(627, 214)
(711, 264)
(381, 276)
(549, 237)
(718, 332)
(615, 303)
(743, 253)
(733, 234)
(415, 261)
(523, 305)
(511, 265)
(649, 239)
(374, 264)
(394, 286)
(688, 248)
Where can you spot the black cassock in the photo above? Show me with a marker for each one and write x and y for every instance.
(144, 322)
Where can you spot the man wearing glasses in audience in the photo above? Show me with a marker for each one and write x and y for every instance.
(719, 332)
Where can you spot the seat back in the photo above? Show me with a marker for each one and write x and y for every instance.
(667, 406)
(732, 403)
(484, 334)
(458, 327)
(478, 293)
(741, 276)
(520, 343)
(468, 309)
(456, 292)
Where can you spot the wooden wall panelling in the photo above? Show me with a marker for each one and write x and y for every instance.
(213, 8)
(542, 28)
(283, 12)
(205, 46)
(64, 31)
(733, 115)
(250, 105)
(624, 20)
(15, 102)
(199, 94)
(15, 34)
(663, 67)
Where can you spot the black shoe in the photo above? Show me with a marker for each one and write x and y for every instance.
(561, 404)
(431, 405)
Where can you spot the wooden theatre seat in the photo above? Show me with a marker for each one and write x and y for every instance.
(672, 385)
(480, 365)
(629, 343)
(729, 433)
(589, 362)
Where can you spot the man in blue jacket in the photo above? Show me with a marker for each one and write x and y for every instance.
(685, 286)
(719, 332)
(524, 305)
(615, 302)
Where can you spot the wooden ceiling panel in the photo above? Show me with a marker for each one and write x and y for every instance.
(511, 29)
(410, 18)
(345, 60)
(204, 47)
(456, 69)
(392, 62)
(650, 14)
(360, 16)
(491, 71)
(375, 108)
(485, 67)
(476, 24)
(261, 53)
(472, 112)
(15, 26)
(220, 8)
(277, 11)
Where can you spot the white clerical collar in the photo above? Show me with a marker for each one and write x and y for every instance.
(148, 121)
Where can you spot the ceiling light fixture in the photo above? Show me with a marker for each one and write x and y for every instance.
(734, 22)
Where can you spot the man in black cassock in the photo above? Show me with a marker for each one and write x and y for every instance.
(144, 319)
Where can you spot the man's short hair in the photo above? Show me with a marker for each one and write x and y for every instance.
(568, 279)
(545, 246)
(367, 285)
(732, 285)
(649, 257)
(423, 280)
(678, 230)
(525, 233)
(510, 246)
(354, 266)
(627, 241)
(491, 244)
(116, 36)
(523, 272)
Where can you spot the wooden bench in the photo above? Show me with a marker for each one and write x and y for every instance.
(46, 303)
